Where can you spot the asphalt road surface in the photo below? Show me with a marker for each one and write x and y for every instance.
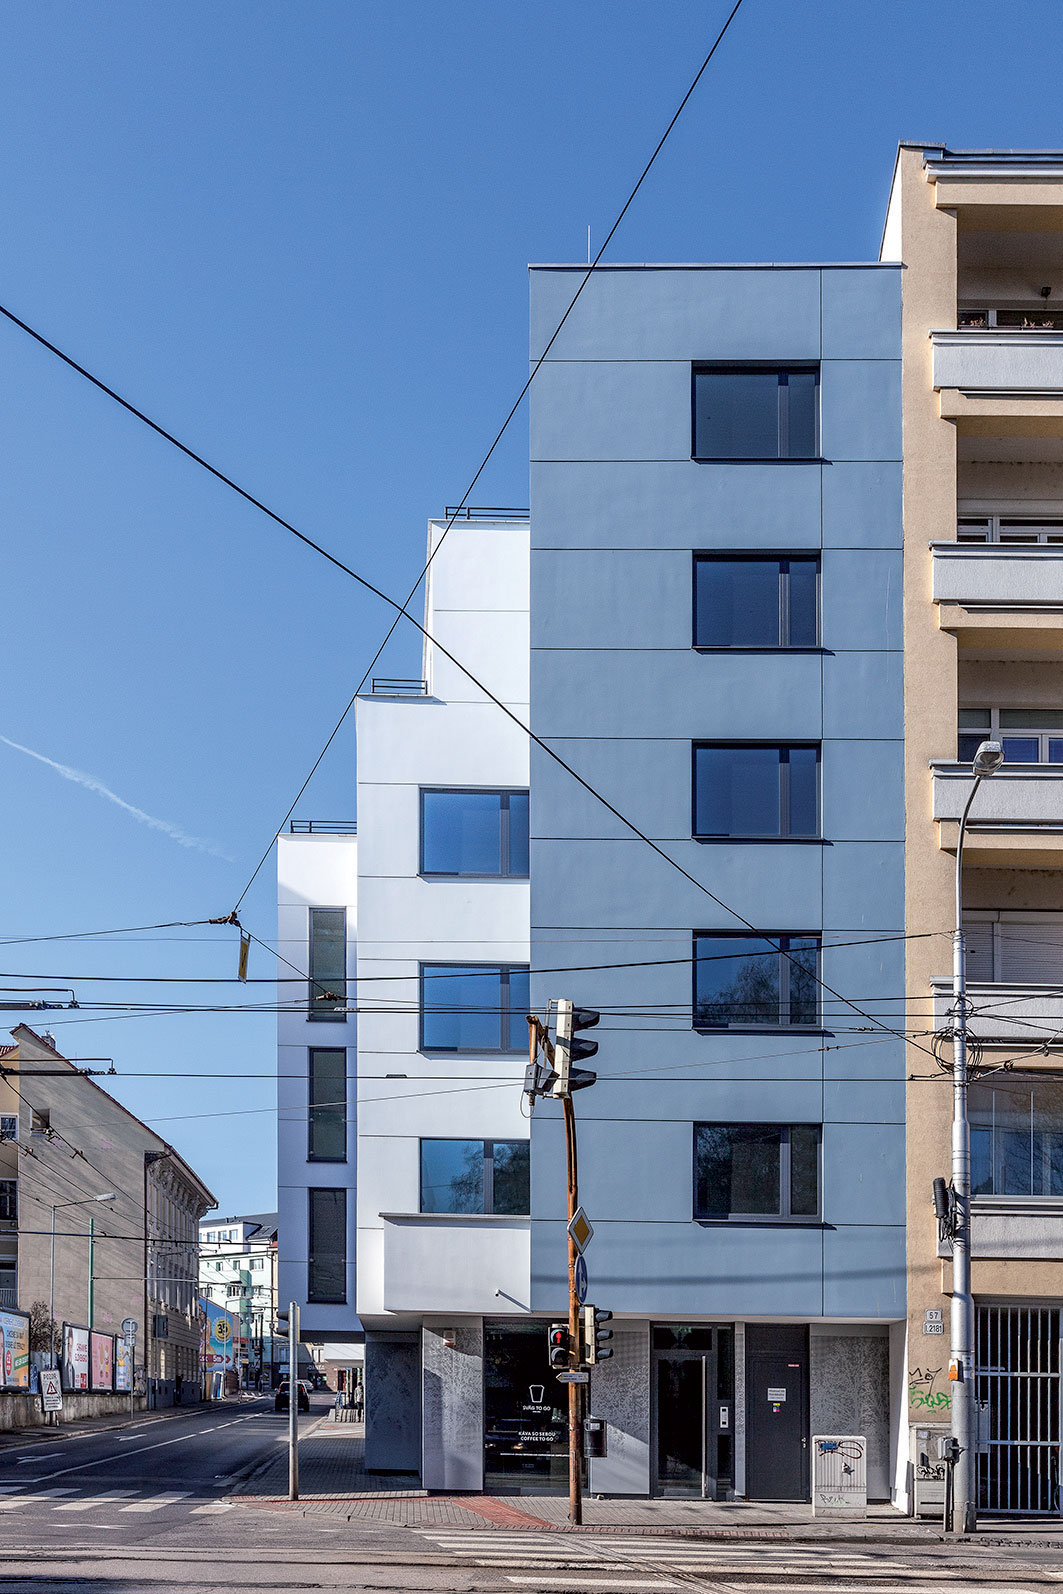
(144, 1510)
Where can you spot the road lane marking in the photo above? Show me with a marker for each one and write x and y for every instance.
(27, 1461)
(97, 1499)
(586, 1582)
(219, 1505)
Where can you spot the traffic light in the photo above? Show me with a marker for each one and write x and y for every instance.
(593, 1348)
(570, 1047)
(560, 1341)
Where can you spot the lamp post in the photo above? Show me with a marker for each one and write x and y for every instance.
(57, 1206)
(987, 760)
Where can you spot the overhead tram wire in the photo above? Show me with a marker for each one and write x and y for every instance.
(401, 611)
(592, 267)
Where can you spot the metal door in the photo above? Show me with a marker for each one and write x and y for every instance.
(1018, 1365)
(777, 1425)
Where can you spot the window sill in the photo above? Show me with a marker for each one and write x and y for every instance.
(750, 647)
(766, 459)
(770, 841)
(810, 1031)
(748, 1222)
(450, 1217)
(430, 875)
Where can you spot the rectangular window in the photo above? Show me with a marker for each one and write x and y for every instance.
(326, 1276)
(473, 1008)
(328, 963)
(1028, 735)
(757, 601)
(478, 833)
(756, 981)
(476, 1176)
(9, 1200)
(1017, 1137)
(756, 1171)
(9, 1126)
(327, 1117)
(748, 790)
(756, 412)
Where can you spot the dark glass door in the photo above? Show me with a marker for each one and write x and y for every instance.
(525, 1413)
(693, 1410)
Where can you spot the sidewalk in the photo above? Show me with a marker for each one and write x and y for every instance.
(334, 1484)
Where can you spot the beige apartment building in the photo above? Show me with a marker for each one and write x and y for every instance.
(980, 235)
(133, 1255)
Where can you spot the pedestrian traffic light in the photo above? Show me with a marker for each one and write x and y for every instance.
(593, 1347)
(570, 1047)
(560, 1341)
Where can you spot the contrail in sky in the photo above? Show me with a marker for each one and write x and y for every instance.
(90, 783)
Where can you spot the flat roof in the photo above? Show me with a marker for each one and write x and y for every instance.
(721, 265)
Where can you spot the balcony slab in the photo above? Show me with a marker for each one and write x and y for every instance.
(444, 1262)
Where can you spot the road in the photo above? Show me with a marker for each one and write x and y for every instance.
(147, 1510)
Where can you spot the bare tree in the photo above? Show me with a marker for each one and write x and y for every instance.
(41, 1322)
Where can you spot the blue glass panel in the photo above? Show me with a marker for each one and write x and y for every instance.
(981, 1161)
(802, 389)
(737, 603)
(518, 833)
(736, 791)
(1055, 750)
(511, 1165)
(736, 414)
(1021, 749)
(519, 1002)
(804, 791)
(804, 603)
(462, 1008)
(803, 971)
(737, 981)
(967, 746)
(452, 1175)
(737, 1170)
(461, 832)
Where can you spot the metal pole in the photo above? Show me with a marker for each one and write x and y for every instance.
(92, 1265)
(51, 1298)
(961, 1310)
(575, 1497)
(293, 1401)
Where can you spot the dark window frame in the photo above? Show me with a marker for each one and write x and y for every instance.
(794, 838)
(488, 1152)
(315, 1296)
(784, 1217)
(504, 794)
(318, 1012)
(505, 1009)
(9, 1200)
(770, 937)
(764, 556)
(781, 368)
(313, 1107)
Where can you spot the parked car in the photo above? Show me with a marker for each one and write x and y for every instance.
(280, 1399)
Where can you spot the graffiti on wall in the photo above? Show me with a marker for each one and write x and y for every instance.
(922, 1396)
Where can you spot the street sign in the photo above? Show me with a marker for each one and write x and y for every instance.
(581, 1230)
(129, 1327)
(51, 1389)
(581, 1280)
(573, 1378)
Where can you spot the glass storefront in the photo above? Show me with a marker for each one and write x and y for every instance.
(694, 1410)
(525, 1412)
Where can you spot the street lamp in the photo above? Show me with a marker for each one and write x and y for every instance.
(57, 1206)
(987, 760)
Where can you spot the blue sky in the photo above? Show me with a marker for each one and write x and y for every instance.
(297, 236)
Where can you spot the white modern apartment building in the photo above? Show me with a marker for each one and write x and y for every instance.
(434, 1234)
(238, 1270)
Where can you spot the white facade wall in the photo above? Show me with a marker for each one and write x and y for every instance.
(313, 871)
(477, 606)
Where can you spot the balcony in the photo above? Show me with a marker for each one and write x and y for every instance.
(1004, 1013)
(1017, 818)
(446, 1262)
(1000, 594)
(1004, 380)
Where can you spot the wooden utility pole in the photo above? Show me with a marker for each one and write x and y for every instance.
(575, 1391)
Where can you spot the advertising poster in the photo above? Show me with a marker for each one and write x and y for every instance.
(14, 1350)
(223, 1332)
(74, 1363)
(123, 1365)
(101, 1361)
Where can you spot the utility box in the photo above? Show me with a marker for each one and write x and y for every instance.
(839, 1475)
(928, 1467)
(594, 1443)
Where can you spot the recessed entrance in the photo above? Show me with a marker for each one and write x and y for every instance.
(693, 1394)
(525, 1412)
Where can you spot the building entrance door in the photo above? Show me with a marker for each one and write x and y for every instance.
(777, 1412)
(525, 1412)
(693, 1391)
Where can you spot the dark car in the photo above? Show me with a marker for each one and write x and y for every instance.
(280, 1400)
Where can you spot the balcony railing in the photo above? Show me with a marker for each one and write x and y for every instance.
(323, 827)
(1017, 818)
(394, 686)
(998, 575)
(8, 1299)
(442, 1262)
(1007, 1012)
(1007, 361)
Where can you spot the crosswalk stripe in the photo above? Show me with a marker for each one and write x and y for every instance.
(157, 1501)
(218, 1505)
(589, 1582)
(97, 1500)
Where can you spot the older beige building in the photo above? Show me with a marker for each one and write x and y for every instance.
(133, 1253)
(981, 238)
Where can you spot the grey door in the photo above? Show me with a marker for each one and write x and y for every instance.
(777, 1417)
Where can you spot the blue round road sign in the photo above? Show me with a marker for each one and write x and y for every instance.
(581, 1279)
